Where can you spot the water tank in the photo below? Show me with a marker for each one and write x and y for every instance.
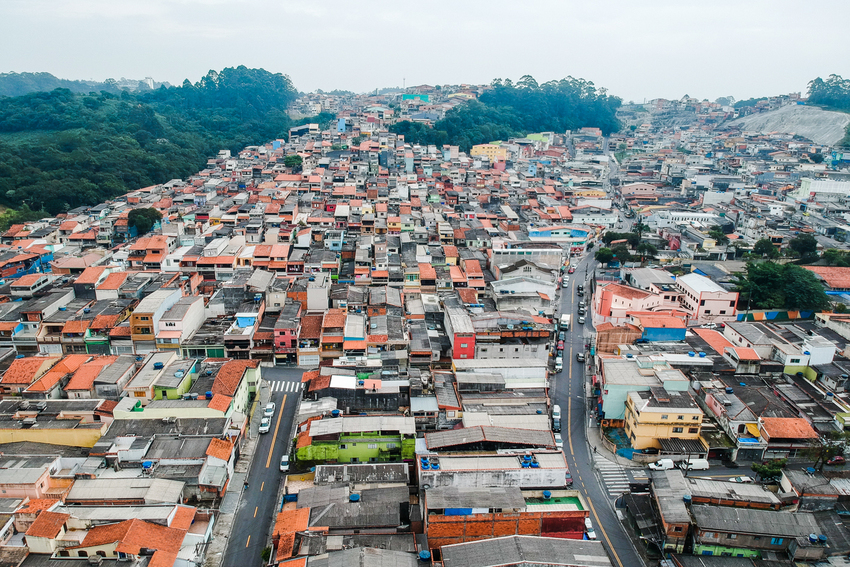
(20, 356)
(807, 353)
(829, 394)
(742, 383)
(209, 395)
(535, 465)
(354, 497)
(526, 457)
(526, 464)
(702, 355)
(335, 413)
(86, 310)
(539, 411)
(813, 538)
(424, 556)
(63, 309)
(547, 494)
(686, 498)
(435, 466)
(691, 353)
(158, 366)
(179, 374)
(147, 464)
(822, 538)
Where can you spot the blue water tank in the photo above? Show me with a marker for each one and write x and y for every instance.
(147, 464)
(813, 538)
(435, 466)
(209, 395)
(535, 465)
(822, 538)
(526, 464)
(547, 494)
(702, 355)
(354, 497)
(686, 498)
(335, 413)
(691, 353)
(539, 411)
(424, 556)
(742, 383)
(807, 353)
(526, 457)
(158, 365)
(20, 356)
(730, 391)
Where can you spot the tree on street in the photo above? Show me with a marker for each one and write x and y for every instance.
(718, 235)
(767, 285)
(765, 249)
(604, 255)
(806, 246)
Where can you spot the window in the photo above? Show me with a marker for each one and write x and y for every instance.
(373, 445)
(795, 361)
(677, 430)
(702, 302)
(664, 416)
(723, 312)
(144, 318)
(680, 418)
(677, 529)
(708, 312)
(693, 429)
(695, 418)
(776, 541)
(732, 536)
(464, 345)
(391, 445)
(731, 304)
(342, 446)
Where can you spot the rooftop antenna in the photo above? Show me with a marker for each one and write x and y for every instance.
(404, 82)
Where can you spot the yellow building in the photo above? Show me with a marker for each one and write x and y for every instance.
(493, 152)
(658, 414)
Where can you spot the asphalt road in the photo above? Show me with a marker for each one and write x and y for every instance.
(568, 391)
(259, 504)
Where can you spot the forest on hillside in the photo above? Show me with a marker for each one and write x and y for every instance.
(516, 109)
(60, 150)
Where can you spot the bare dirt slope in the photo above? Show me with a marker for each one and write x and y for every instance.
(819, 126)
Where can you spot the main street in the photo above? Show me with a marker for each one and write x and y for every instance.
(568, 390)
(258, 506)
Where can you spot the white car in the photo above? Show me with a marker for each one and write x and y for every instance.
(270, 409)
(284, 463)
(566, 279)
(742, 479)
(588, 527)
(265, 425)
(559, 442)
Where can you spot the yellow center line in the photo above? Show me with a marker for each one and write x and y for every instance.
(255, 511)
(249, 541)
(276, 427)
(570, 403)
(604, 534)
(263, 485)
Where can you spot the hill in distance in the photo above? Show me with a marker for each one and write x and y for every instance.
(18, 84)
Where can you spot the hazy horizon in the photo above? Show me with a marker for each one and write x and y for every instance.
(655, 49)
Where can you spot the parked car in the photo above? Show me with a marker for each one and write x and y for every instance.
(284, 463)
(694, 465)
(270, 409)
(572, 270)
(588, 528)
(559, 442)
(580, 319)
(742, 479)
(566, 278)
(662, 465)
(560, 345)
(568, 478)
(836, 460)
(562, 336)
(265, 424)
(579, 357)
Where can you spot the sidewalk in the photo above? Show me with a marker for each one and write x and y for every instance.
(230, 503)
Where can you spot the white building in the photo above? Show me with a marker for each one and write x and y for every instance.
(823, 191)
(706, 300)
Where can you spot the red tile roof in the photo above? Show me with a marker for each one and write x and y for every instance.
(835, 277)
(787, 428)
(113, 281)
(220, 402)
(220, 449)
(47, 524)
(27, 370)
(36, 505)
(90, 275)
(230, 375)
(714, 339)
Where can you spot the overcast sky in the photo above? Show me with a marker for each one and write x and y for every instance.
(635, 48)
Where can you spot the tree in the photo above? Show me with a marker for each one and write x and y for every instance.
(621, 253)
(834, 257)
(717, 234)
(768, 285)
(293, 161)
(826, 446)
(589, 246)
(639, 228)
(806, 246)
(143, 219)
(646, 250)
(765, 249)
(816, 158)
(604, 255)
(769, 470)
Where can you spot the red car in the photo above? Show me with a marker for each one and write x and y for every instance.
(572, 270)
(836, 460)
(560, 345)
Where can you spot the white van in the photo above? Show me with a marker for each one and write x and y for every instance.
(556, 412)
(559, 363)
(662, 465)
(694, 465)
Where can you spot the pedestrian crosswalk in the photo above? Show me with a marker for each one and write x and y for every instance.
(614, 478)
(286, 386)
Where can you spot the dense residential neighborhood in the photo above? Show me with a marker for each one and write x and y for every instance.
(342, 348)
